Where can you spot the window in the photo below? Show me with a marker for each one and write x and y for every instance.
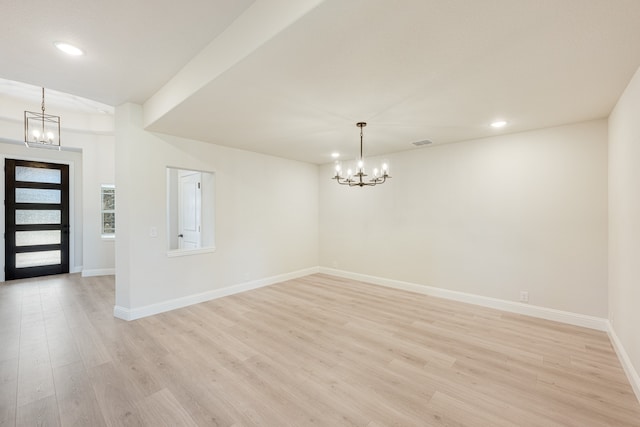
(108, 211)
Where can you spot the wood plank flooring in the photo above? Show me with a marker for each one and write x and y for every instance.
(316, 351)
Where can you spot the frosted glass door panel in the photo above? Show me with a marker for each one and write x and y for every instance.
(27, 174)
(37, 259)
(24, 216)
(44, 237)
(37, 229)
(37, 195)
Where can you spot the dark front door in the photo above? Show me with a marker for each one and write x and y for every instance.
(36, 219)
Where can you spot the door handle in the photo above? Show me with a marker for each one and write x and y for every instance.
(180, 235)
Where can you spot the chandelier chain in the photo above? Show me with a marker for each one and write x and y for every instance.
(361, 142)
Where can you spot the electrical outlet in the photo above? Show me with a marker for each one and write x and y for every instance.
(524, 296)
(153, 232)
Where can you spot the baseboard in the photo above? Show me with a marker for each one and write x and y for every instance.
(161, 307)
(625, 361)
(121, 312)
(98, 272)
(576, 319)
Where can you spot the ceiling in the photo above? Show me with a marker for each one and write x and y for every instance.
(30, 97)
(292, 77)
(132, 47)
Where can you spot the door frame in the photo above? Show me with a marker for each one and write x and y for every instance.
(72, 205)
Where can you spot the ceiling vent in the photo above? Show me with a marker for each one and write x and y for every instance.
(421, 143)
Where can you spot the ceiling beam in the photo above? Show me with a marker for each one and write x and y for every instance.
(263, 20)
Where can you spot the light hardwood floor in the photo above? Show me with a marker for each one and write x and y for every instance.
(319, 351)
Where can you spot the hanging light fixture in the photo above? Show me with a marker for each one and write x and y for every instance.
(357, 179)
(41, 129)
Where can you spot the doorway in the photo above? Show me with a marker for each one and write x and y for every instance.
(36, 219)
(189, 210)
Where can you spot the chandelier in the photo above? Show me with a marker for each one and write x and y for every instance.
(41, 129)
(357, 179)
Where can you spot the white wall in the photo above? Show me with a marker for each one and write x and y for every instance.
(93, 136)
(624, 223)
(488, 217)
(98, 157)
(266, 216)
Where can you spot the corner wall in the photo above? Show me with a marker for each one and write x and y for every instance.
(624, 228)
(266, 218)
(489, 217)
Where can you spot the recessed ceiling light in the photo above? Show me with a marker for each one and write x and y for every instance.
(498, 124)
(335, 155)
(68, 49)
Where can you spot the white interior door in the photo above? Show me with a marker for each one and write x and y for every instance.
(190, 211)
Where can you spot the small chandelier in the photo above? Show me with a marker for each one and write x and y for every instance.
(41, 129)
(357, 179)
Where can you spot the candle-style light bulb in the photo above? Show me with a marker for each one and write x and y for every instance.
(385, 169)
(376, 172)
(36, 134)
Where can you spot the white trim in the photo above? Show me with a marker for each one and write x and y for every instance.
(98, 272)
(121, 313)
(625, 361)
(185, 252)
(149, 310)
(504, 305)
(576, 319)
(75, 269)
